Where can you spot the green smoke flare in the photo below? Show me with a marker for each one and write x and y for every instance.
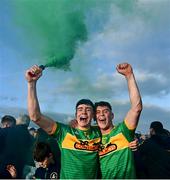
(53, 28)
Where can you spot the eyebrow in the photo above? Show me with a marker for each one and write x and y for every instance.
(103, 109)
(85, 107)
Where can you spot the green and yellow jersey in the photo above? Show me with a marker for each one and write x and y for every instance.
(79, 152)
(116, 159)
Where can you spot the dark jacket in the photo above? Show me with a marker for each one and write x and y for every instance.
(17, 146)
(52, 172)
(156, 156)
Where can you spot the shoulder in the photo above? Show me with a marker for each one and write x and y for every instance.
(60, 128)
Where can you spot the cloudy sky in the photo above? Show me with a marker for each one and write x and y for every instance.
(115, 31)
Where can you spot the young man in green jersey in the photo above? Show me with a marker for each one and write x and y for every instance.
(116, 159)
(79, 146)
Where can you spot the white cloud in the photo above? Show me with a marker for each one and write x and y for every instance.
(139, 34)
(146, 76)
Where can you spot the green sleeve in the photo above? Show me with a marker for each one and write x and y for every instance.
(129, 134)
(60, 132)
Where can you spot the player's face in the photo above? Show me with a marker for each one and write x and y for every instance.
(104, 117)
(84, 115)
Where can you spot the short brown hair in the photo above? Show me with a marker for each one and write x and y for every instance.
(41, 151)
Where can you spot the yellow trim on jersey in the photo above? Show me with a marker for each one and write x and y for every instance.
(82, 128)
(54, 127)
(128, 125)
(71, 142)
(120, 140)
(116, 143)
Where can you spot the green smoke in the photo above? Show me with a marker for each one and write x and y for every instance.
(53, 28)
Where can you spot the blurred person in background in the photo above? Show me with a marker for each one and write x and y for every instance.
(9, 172)
(48, 168)
(17, 146)
(8, 121)
(155, 152)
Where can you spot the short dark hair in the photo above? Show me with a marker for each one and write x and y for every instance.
(157, 126)
(41, 151)
(85, 101)
(8, 118)
(102, 103)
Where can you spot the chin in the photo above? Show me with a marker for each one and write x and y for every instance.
(102, 127)
(84, 125)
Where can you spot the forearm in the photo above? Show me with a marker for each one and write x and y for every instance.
(136, 102)
(133, 114)
(33, 105)
(134, 94)
(35, 114)
(46, 123)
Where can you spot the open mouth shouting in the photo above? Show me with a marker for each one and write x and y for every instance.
(84, 114)
(83, 121)
(83, 118)
(102, 119)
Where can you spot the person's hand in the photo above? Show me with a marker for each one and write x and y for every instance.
(124, 69)
(12, 170)
(133, 145)
(73, 123)
(33, 74)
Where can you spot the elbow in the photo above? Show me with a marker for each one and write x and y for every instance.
(138, 108)
(35, 117)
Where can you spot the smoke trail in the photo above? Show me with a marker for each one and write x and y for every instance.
(53, 28)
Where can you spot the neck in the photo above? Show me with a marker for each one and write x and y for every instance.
(106, 131)
(83, 128)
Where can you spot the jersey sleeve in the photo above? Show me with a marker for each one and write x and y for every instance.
(60, 132)
(128, 133)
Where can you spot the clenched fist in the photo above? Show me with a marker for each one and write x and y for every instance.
(33, 74)
(124, 69)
